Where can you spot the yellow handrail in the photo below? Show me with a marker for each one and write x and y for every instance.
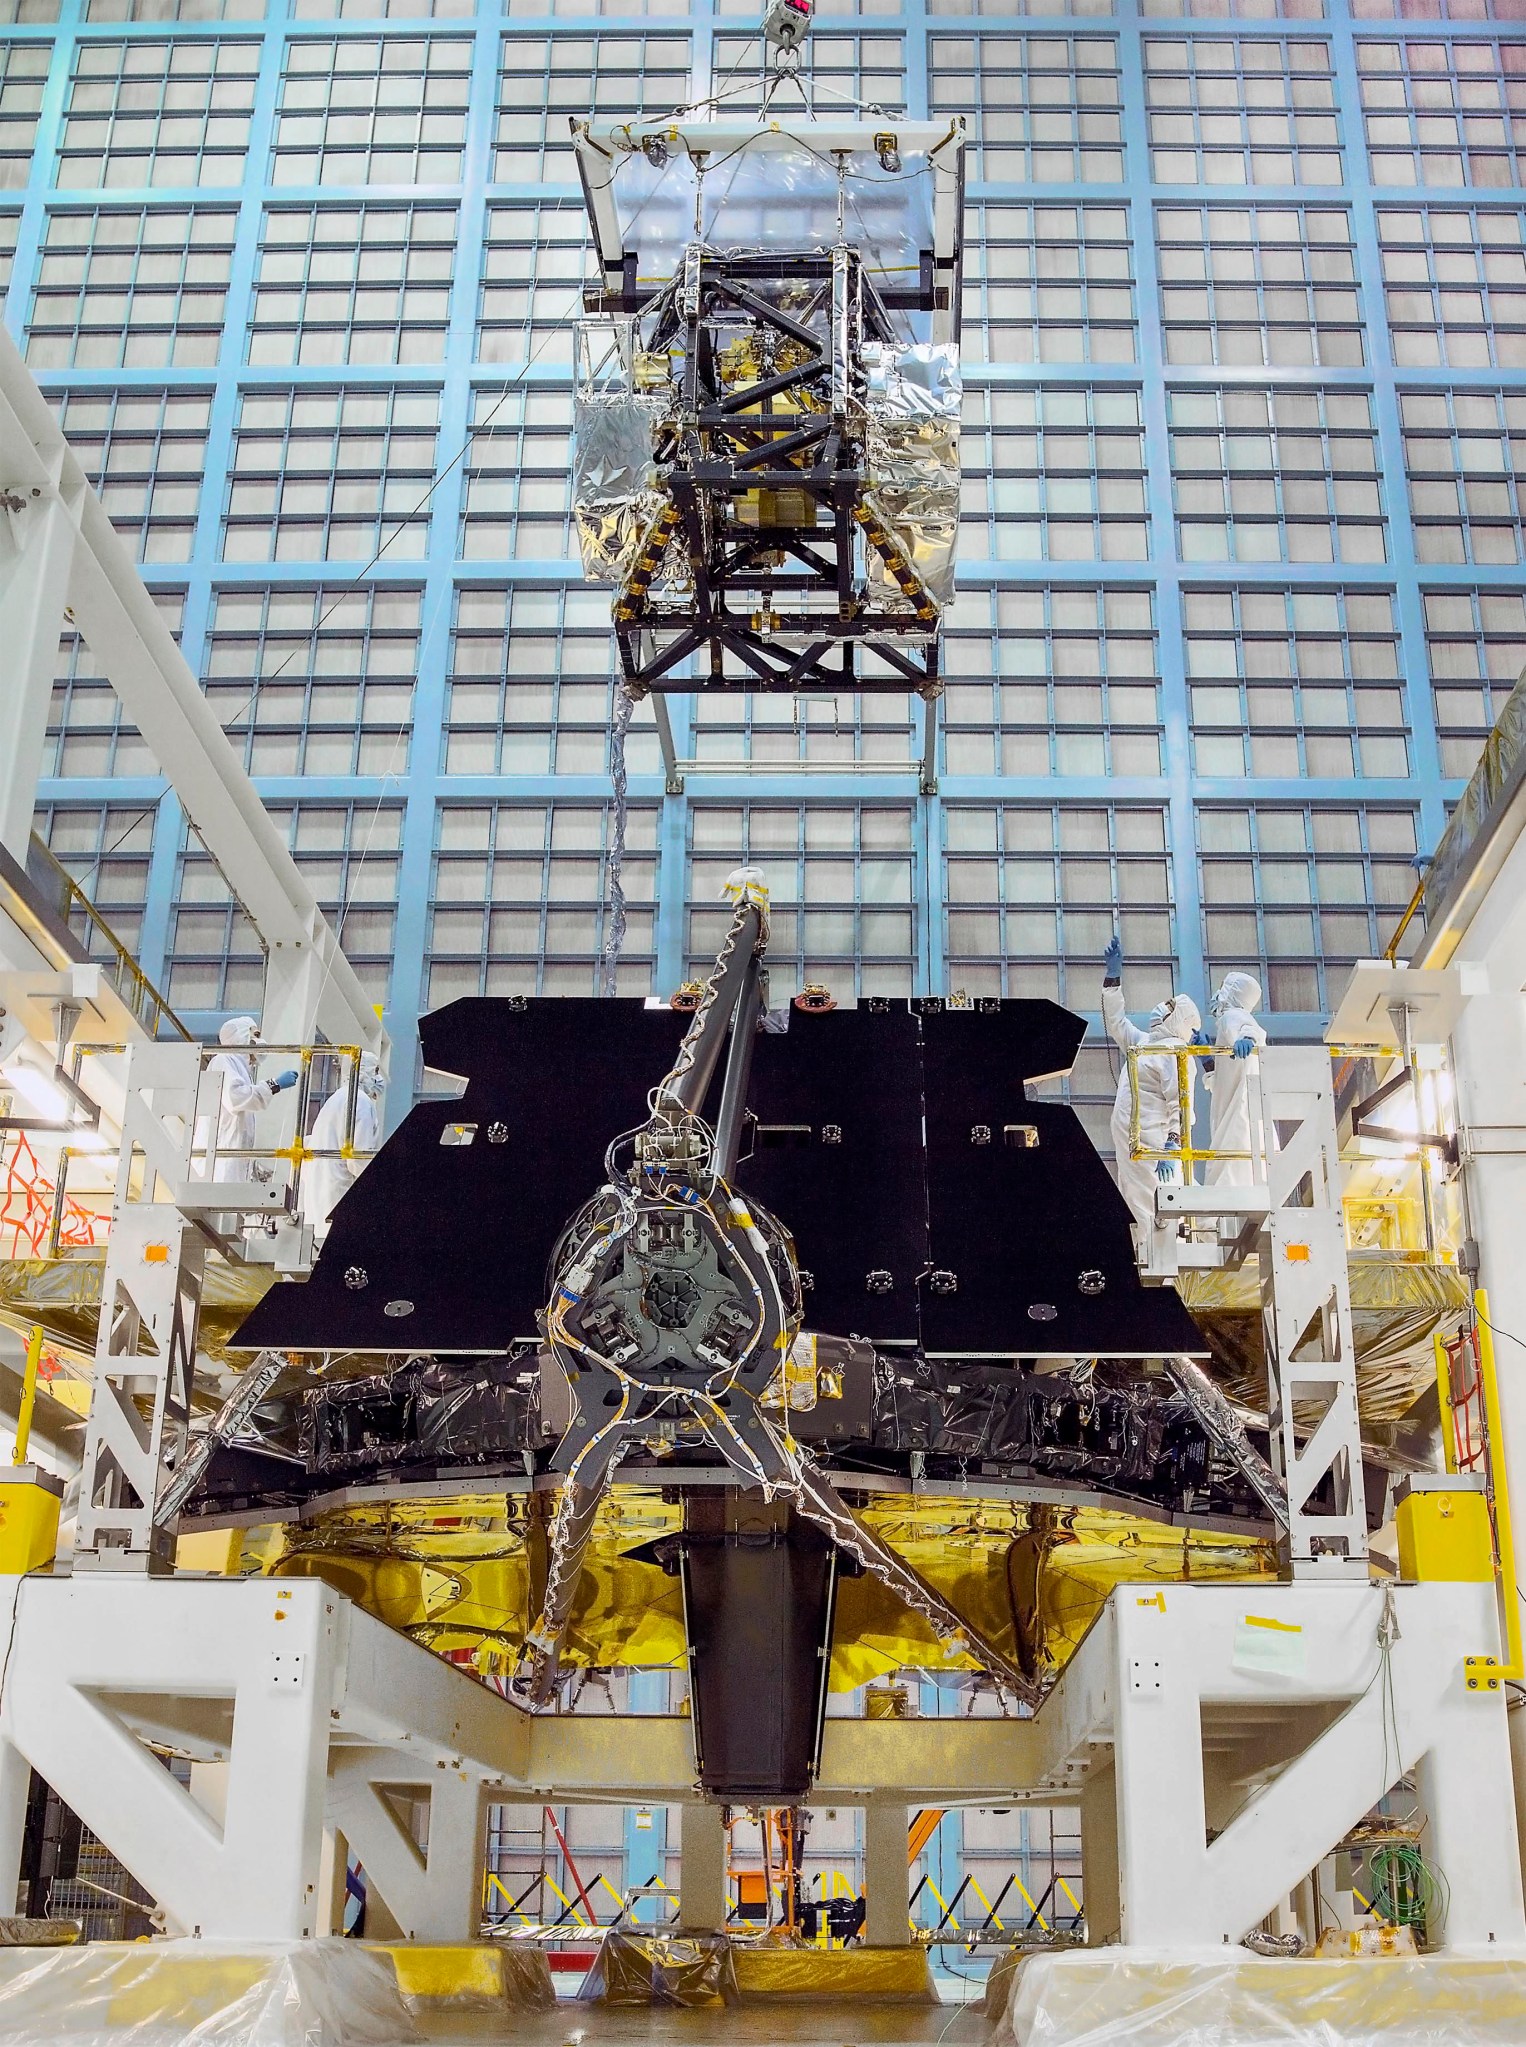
(28, 1393)
(1444, 1393)
(1499, 1487)
(146, 1000)
(1186, 1153)
(1391, 950)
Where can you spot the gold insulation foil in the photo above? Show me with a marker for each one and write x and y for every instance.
(463, 1577)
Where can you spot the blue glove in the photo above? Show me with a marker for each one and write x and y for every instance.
(1164, 1169)
(286, 1079)
(1112, 959)
(1201, 1038)
(1244, 1047)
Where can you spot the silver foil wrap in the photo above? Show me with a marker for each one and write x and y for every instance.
(615, 492)
(913, 403)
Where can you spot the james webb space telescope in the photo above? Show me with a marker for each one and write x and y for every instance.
(803, 1257)
(766, 448)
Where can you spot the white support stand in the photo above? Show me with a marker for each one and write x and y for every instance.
(145, 1355)
(1300, 1237)
(1306, 1316)
(1275, 1714)
(702, 1869)
(1278, 1715)
(433, 1890)
(281, 1682)
(886, 1920)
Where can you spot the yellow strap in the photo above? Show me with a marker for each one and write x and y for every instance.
(985, 1901)
(1038, 1915)
(566, 1901)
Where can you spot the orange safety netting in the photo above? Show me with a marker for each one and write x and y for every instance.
(27, 1200)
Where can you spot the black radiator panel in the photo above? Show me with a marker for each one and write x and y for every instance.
(465, 1231)
(911, 1231)
(837, 1157)
(1024, 1217)
(758, 1585)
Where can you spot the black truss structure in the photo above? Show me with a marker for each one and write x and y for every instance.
(786, 597)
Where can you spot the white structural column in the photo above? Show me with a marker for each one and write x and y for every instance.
(1489, 1078)
(254, 1667)
(886, 1922)
(433, 1891)
(34, 588)
(702, 1897)
(1191, 1666)
(312, 985)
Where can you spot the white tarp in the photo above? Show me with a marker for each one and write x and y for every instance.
(202, 1993)
(1115, 1997)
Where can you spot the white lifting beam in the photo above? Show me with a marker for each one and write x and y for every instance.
(64, 551)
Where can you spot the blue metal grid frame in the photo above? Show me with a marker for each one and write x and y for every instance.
(1079, 274)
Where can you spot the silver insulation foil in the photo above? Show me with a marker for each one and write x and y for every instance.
(913, 404)
(910, 426)
(615, 492)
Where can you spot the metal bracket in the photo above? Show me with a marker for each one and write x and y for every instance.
(1489, 1141)
(673, 781)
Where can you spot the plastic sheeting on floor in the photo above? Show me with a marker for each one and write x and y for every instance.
(39, 1932)
(661, 1968)
(474, 1976)
(767, 1970)
(1110, 1998)
(999, 1983)
(202, 1993)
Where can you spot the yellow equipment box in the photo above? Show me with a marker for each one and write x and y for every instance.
(29, 1503)
(1444, 1531)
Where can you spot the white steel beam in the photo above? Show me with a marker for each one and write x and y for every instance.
(1199, 1683)
(1279, 1714)
(34, 586)
(277, 1680)
(313, 987)
(433, 1891)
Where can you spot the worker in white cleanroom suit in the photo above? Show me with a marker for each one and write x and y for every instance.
(1237, 1039)
(1172, 1022)
(325, 1180)
(243, 1096)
